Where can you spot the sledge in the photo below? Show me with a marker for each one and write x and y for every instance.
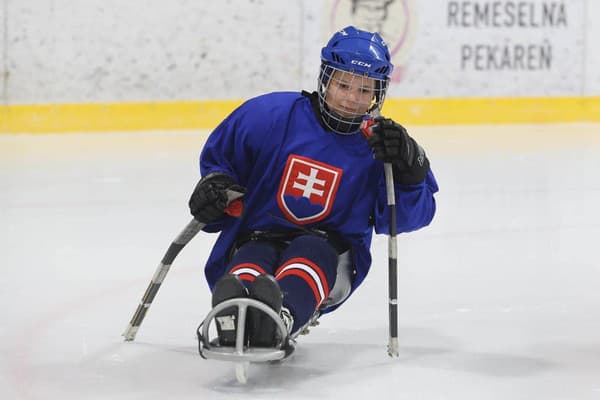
(240, 354)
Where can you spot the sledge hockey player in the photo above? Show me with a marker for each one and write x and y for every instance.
(314, 191)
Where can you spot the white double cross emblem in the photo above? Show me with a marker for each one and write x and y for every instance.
(311, 181)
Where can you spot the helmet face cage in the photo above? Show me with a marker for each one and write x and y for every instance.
(345, 97)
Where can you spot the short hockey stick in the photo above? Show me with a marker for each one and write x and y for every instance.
(192, 228)
(392, 262)
(392, 248)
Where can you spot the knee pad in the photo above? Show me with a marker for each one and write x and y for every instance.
(252, 259)
(317, 251)
(307, 272)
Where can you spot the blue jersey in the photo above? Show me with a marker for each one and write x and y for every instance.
(300, 175)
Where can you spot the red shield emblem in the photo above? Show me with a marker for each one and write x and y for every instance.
(307, 189)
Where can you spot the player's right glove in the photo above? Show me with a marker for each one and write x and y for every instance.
(391, 143)
(213, 195)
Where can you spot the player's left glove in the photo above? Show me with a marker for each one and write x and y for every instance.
(391, 143)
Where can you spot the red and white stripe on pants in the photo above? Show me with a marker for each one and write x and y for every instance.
(308, 271)
(247, 271)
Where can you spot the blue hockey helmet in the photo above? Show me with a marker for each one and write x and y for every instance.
(363, 56)
(360, 52)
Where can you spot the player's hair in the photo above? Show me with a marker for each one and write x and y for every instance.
(363, 54)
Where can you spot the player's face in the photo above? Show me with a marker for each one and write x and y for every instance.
(350, 95)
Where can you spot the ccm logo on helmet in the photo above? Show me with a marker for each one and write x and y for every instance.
(360, 63)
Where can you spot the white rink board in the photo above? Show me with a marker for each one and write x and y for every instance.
(592, 82)
(139, 50)
(142, 50)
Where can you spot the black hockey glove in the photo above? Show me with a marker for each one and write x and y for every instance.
(391, 143)
(212, 195)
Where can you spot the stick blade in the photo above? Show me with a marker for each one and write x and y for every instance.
(393, 347)
(130, 333)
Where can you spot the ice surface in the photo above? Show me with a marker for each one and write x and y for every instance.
(498, 298)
